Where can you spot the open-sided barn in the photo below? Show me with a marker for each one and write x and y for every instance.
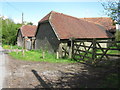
(56, 29)
(26, 36)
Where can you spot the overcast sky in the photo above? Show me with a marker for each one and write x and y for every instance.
(34, 11)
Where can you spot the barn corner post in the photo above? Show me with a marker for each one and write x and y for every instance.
(71, 48)
(94, 51)
(59, 52)
(24, 46)
(25, 38)
(32, 42)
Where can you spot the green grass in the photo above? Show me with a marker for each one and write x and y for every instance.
(11, 46)
(110, 51)
(98, 56)
(36, 55)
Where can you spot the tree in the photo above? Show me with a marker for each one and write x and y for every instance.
(111, 8)
(0, 30)
(9, 31)
(117, 35)
(29, 23)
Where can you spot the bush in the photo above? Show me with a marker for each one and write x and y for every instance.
(117, 35)
(8, 31)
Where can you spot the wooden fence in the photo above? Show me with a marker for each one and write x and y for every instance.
(94, 51)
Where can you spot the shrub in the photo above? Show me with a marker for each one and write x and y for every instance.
(117, 35)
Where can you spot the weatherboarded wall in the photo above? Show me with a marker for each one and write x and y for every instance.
(20, 39)
(46, 38)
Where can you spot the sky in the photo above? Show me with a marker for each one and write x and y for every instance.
(35, 10)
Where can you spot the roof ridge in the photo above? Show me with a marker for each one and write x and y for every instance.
(75, 18)
(94, 17)
(64, 14)
(79, 18)
(27, 25)
(70, 16)
(49, 18)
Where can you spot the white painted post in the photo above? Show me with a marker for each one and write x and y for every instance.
(118, 27)
(43, 54)
(57, 55)
(23, 52)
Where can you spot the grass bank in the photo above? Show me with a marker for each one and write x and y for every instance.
(37, 55)
(10, 46)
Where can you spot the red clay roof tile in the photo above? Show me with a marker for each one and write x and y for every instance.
(104, 21)
(28, 30)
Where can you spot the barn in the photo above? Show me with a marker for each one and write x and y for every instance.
(26, 36)
(56, 29)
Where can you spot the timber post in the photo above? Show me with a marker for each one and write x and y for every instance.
(43, 54)
(57, 55)
(71, 49)
(32, 42)
(94, 50)
(60, 51)
(23, 52)
(24, 46)
(25, 42)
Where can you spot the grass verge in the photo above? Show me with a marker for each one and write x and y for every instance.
(36, 55)
(11, 46)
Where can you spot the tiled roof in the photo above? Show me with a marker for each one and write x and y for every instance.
(28, 30)
(66, 27)
(104, 21)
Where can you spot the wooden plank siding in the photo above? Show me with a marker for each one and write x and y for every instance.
(20, 39)
(46, 38)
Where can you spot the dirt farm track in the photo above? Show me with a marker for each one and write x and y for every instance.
(28, 74)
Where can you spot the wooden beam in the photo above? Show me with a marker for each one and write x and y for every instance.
(71, 49)
(60, 50)
(94, 50)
